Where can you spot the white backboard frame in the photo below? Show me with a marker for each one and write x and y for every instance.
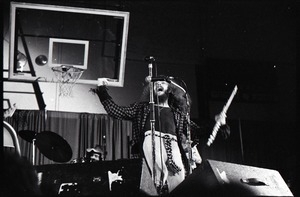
(119, 82)
(70, 41)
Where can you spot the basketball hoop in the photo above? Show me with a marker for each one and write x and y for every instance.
(67, 77)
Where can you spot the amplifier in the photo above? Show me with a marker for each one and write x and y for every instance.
(105, 178)
(217, 178)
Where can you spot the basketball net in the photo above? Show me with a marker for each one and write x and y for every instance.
(67, 77)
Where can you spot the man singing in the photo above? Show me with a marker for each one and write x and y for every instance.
(170, 164)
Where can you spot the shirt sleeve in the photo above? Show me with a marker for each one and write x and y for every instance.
(119, 112)
(114, 110)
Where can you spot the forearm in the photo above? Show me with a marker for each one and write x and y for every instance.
(102, 93)
(114, 110)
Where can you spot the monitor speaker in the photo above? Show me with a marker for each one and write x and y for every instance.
(216, 178)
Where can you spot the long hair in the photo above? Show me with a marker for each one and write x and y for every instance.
(177, 98)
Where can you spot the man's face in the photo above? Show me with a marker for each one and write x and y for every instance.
(95, 157)
(160, 88)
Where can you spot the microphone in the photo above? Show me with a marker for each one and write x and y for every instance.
(149, 59)
(153, 79)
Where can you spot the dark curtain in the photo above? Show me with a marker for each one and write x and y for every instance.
(80, 130)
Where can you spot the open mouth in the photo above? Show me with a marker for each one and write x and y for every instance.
(159, 89)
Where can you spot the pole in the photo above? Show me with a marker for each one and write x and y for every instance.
(152, 118)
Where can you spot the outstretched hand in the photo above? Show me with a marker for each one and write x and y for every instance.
(102, 82)
(101, 91)
(98, 90)
(224, 129)
(101, 86)
(221, 118)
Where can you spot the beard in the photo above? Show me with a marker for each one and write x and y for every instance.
(161, 98)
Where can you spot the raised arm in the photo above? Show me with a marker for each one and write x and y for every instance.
(203, 131)
(114, 110)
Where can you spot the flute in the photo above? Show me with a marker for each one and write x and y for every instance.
(218, 123)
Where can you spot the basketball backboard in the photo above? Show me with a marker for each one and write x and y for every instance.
(44, 36)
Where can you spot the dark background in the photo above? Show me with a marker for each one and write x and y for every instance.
(212, 46)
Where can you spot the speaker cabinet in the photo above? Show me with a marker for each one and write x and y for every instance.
(107, 178)
(216, 178)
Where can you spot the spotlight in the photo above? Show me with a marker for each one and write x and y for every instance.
(21, 61)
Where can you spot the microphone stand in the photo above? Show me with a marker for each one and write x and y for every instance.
(152, 119)
(34, 139)
(33, 151)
